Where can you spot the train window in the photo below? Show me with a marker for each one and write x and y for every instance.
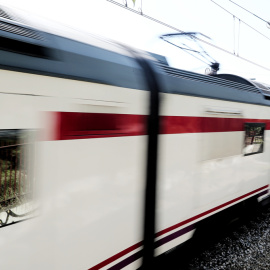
(254, 138)
(17, 156)
(20, 47)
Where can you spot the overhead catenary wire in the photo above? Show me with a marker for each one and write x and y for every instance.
(145, 16)
(249, 12)
(239, 24)
(181, 31)
(234, 34)
(241, 20)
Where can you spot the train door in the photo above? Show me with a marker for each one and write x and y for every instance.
(220, 153)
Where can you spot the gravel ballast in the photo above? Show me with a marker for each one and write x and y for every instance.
(247, 247)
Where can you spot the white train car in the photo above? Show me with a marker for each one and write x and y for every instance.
(73, 138)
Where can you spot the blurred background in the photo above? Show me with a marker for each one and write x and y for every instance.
(239, 28)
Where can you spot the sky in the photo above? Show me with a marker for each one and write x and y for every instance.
(103, 18)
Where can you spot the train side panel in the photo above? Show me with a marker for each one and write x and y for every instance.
(203, 167)
(89, 189)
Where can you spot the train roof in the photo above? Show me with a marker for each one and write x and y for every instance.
(33, 45)
(42, 49)
(263, 87)
(40, 28)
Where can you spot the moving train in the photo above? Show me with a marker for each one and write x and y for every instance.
(73, 148)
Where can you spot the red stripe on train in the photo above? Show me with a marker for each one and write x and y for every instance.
(116, 256)
(74, 125)
(134, 247)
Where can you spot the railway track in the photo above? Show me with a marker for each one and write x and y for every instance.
(241, 244)
(245, 246)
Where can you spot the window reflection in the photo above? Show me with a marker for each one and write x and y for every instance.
(254, 138)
